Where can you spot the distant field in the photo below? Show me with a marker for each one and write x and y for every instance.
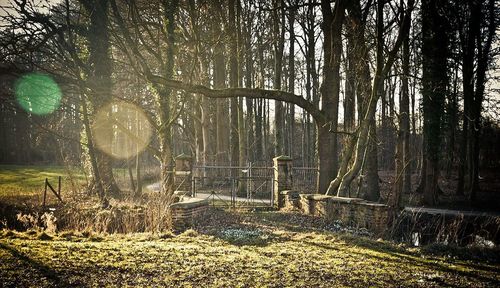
(253, 250)
(22, 182)
(19, 183)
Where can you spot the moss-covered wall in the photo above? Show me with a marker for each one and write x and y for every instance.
(355, 212)
(186, 213)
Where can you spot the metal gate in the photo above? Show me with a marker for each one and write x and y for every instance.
(234, 186)
(304, 179)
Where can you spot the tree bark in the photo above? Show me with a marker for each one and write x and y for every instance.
(291, 79)
(434, 83)
(100, 81)
(372, 192)
(279, 36)
(222, 113)
(484, 58)
(330, 88)
(468, 55)
(233, 82)
(342, 182)
(402, 171)
(350, 82)
(251, 145)
(163, 97)
(92, 153)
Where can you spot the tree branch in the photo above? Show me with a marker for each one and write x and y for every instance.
(252, 93)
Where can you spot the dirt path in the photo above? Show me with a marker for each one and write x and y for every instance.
(213, 195)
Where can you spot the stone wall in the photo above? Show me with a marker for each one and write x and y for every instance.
(282, 178)
(354, 212)
(289, 199)
(186, 213)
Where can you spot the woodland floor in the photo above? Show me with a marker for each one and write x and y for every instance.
(238, 249)
(227, 249)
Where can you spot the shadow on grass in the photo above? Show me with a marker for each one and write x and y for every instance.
(432, 264)
(293, 222)
(237, 228)
(253, 227)
(45, 270)
(400, 255)
(221, 220)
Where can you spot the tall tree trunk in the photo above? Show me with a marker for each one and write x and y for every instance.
(198, 129)
(279, 34)
(311, 86)
(372, 180)
(383, 97)
(484, 58)
(138, 176)
(451, 113)
(91, 149)
(358, 143)
(206, 112)
(372, 192)
(205, 129)
(434, 83)
(233, 82)
(291, 79)
(350, 82)
(222, 110)
(259, 135)
(165, 139)
(402, 176)
(100, 79)
(468, 47)
(315, 82)
(413, 134)
(260, 109)
(330, 89)
(251, 145)
(242, 132)
(163, 98)
(405, 117)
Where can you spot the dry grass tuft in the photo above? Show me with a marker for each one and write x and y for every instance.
(44, 236)
(189, 233)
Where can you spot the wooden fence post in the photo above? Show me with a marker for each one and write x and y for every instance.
(45, 192)
(57, 193)
(59, 187)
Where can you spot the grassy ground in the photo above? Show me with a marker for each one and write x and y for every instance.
(237, 249)
(227, 249)
(21, 183)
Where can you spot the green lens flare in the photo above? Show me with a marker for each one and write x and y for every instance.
(38, 93)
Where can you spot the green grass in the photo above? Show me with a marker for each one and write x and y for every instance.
(232, 250)
(20, 183)
(226, 249)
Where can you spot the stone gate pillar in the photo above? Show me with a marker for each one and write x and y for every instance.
(183, 173)
(282, 178)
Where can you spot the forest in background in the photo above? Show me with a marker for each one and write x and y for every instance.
(350, 87)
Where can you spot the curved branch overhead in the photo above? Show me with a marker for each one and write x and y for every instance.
(253, 93)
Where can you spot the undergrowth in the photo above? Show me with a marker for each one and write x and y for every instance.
(248, 250)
